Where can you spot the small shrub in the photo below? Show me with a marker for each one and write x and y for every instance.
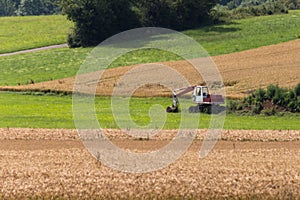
(239, 106)
(292, 95)
(248, 100)
(259, 95)
(297, 89)
(269, 112)
(279, 96)
(294, 106)
(271, 90)
(232, 106)
(73, 39)
(257, 108)
(282, 100)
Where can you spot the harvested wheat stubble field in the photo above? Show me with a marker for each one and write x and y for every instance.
(54, 164)
(242, 72)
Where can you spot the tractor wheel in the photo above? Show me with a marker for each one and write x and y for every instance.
(194, 109)
(207, 109)
(218, 109)
(169, 109)
(204, 108)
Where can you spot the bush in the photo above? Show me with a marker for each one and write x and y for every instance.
(292, 95)
(292, 106)
(281, 98)
(73, 39)
(271, 90)
(37, 7)
(297, 90)
(231, 107)
(244, 8)
(239, 106)
(269, 112)
(219, 13)
(292, 4)
(257, 108)
(259, 95)
(248, 100)
(246, 105)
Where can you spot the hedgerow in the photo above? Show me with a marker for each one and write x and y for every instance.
(268, 101)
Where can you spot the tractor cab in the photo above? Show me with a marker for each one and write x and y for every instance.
(200, 96)
(200, 93)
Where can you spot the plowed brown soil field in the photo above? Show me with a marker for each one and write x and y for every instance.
(242, 72)
(54, 164)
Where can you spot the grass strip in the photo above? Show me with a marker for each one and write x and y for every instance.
(34, 111)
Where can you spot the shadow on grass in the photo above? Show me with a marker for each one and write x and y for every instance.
(141, 37)
(220, 27)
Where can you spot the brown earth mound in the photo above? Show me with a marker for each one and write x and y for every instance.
(242, 73)
(53, 164)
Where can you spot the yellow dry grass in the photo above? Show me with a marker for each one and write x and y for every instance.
(54, 164)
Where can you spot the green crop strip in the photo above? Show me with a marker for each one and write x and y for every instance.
(33, 111)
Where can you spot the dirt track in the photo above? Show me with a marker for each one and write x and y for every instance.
(54, 163)
(242, 72)
(34, 50)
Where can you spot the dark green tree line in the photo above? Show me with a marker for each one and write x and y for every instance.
(7, 7)
(96, 20)
(29, 7)
(232, 4)
(237, 9)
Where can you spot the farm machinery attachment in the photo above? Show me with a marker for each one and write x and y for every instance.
(201, 97)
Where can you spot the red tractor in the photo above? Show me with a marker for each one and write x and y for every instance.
(201, 97)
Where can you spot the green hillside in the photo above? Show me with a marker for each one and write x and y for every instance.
(218, 39)
(27, 32)
(248, 33)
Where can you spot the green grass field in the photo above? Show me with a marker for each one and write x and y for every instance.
(41, 66)
(248, 33)
(34, 111)
(27, 32)
(56, 111)
(219, 39)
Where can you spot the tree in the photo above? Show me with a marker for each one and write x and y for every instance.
(155, 13)
(30, 7)
(96, 20)
(7, 8)
(292, 4)
(38, 7)
(51, 7)
(175, 14)
(192, 13)
(224, 2)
